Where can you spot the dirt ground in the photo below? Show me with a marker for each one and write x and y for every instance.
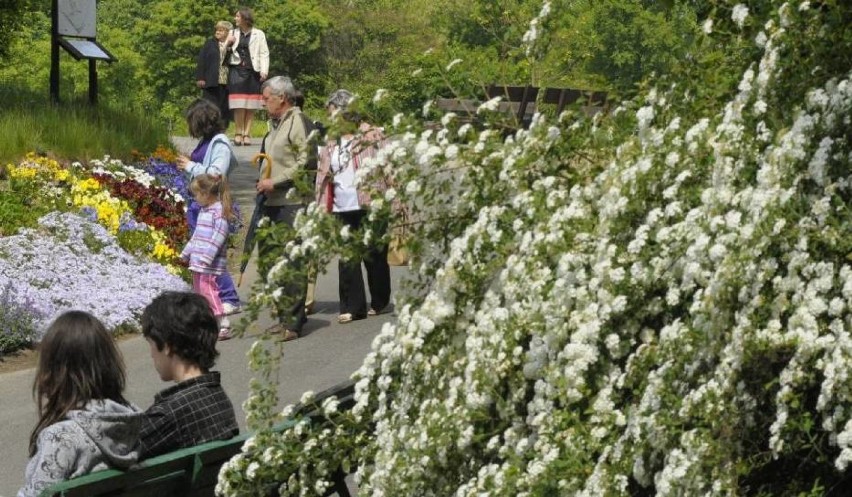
(16, 361)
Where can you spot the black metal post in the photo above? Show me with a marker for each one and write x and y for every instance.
(93, 82)
(54, 52)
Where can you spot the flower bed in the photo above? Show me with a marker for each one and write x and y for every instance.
(71, 262)
(113, 194)
(103, 237)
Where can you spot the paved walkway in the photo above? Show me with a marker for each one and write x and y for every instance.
(327, 353)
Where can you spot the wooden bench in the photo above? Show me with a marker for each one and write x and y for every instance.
(523, 101)
(194, 471)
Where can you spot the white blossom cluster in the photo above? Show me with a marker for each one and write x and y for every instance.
(563, 334)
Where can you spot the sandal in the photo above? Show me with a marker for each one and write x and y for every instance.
(246, 140)
(238, 139)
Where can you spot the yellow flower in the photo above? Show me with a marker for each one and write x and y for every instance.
(86, 185)
(109, 208)
(43, 168)
(61, 175)
(18, 172)
(162, 251)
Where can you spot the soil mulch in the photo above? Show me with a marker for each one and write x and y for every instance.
(16, 361)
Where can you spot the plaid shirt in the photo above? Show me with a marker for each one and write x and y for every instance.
(190, 413)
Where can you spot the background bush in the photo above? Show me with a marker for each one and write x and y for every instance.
(18, 321)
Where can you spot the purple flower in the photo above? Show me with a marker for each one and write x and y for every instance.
(170, 176)
(128, 223)
(19, 319)
(89, 213)
(71, 263)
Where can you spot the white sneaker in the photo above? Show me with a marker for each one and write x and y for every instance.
(230, 308)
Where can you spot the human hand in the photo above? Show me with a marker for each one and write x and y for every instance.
(201, 83)
(182, 161)
(263, 76)
(265, 186)
(230, 40)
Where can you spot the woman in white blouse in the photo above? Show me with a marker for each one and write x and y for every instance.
(336, 191)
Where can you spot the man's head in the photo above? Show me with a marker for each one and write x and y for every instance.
(180, 327)
(279, 95)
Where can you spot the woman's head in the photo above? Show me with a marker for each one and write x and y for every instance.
(244, 18)
(221, 30)
(78, 362)
(339, 100)
(203, 119)
(338, 103)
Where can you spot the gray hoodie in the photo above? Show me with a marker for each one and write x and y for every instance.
(105, 434)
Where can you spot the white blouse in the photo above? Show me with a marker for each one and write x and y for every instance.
(343, 171)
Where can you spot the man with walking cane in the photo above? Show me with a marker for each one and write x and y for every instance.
(286, 147)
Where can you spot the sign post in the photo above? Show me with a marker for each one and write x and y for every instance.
(74, 28)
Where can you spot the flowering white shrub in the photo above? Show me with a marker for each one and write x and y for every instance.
(657, 301)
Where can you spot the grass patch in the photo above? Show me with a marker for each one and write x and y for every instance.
(73, 130)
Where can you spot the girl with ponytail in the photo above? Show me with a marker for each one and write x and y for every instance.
(207, 250)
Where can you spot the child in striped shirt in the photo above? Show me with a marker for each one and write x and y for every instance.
(206, 251)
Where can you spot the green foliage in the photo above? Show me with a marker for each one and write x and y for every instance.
(17, 211)
(169, 35)
(11, 19)
(294, 31)
(137, 242)
(364, 45)
(655, 301)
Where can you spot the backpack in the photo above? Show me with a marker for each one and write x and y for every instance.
(313, 142)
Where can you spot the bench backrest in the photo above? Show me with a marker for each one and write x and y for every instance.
(193, 471)
(522, 101)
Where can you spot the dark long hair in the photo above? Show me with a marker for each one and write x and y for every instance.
(78, 362)
(247, 15)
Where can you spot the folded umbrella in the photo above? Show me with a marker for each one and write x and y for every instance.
(257, 215)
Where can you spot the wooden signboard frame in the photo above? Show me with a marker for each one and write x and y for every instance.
(74, 28)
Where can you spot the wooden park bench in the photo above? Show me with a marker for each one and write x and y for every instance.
(194, 471)
(523, 101)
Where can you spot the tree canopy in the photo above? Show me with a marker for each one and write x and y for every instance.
(363, 45)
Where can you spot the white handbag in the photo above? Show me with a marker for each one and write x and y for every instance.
(234, 59)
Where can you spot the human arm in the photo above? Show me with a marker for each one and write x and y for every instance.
(54, 461)
(160, 433)
(219, 164)
(263, 54)
(209, 237)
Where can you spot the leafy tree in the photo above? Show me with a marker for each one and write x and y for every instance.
(294, 33)
(168, 40)
(12, 15)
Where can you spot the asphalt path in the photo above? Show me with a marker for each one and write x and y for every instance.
(326, 354)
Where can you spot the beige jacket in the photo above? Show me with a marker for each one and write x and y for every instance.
(287, 147)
